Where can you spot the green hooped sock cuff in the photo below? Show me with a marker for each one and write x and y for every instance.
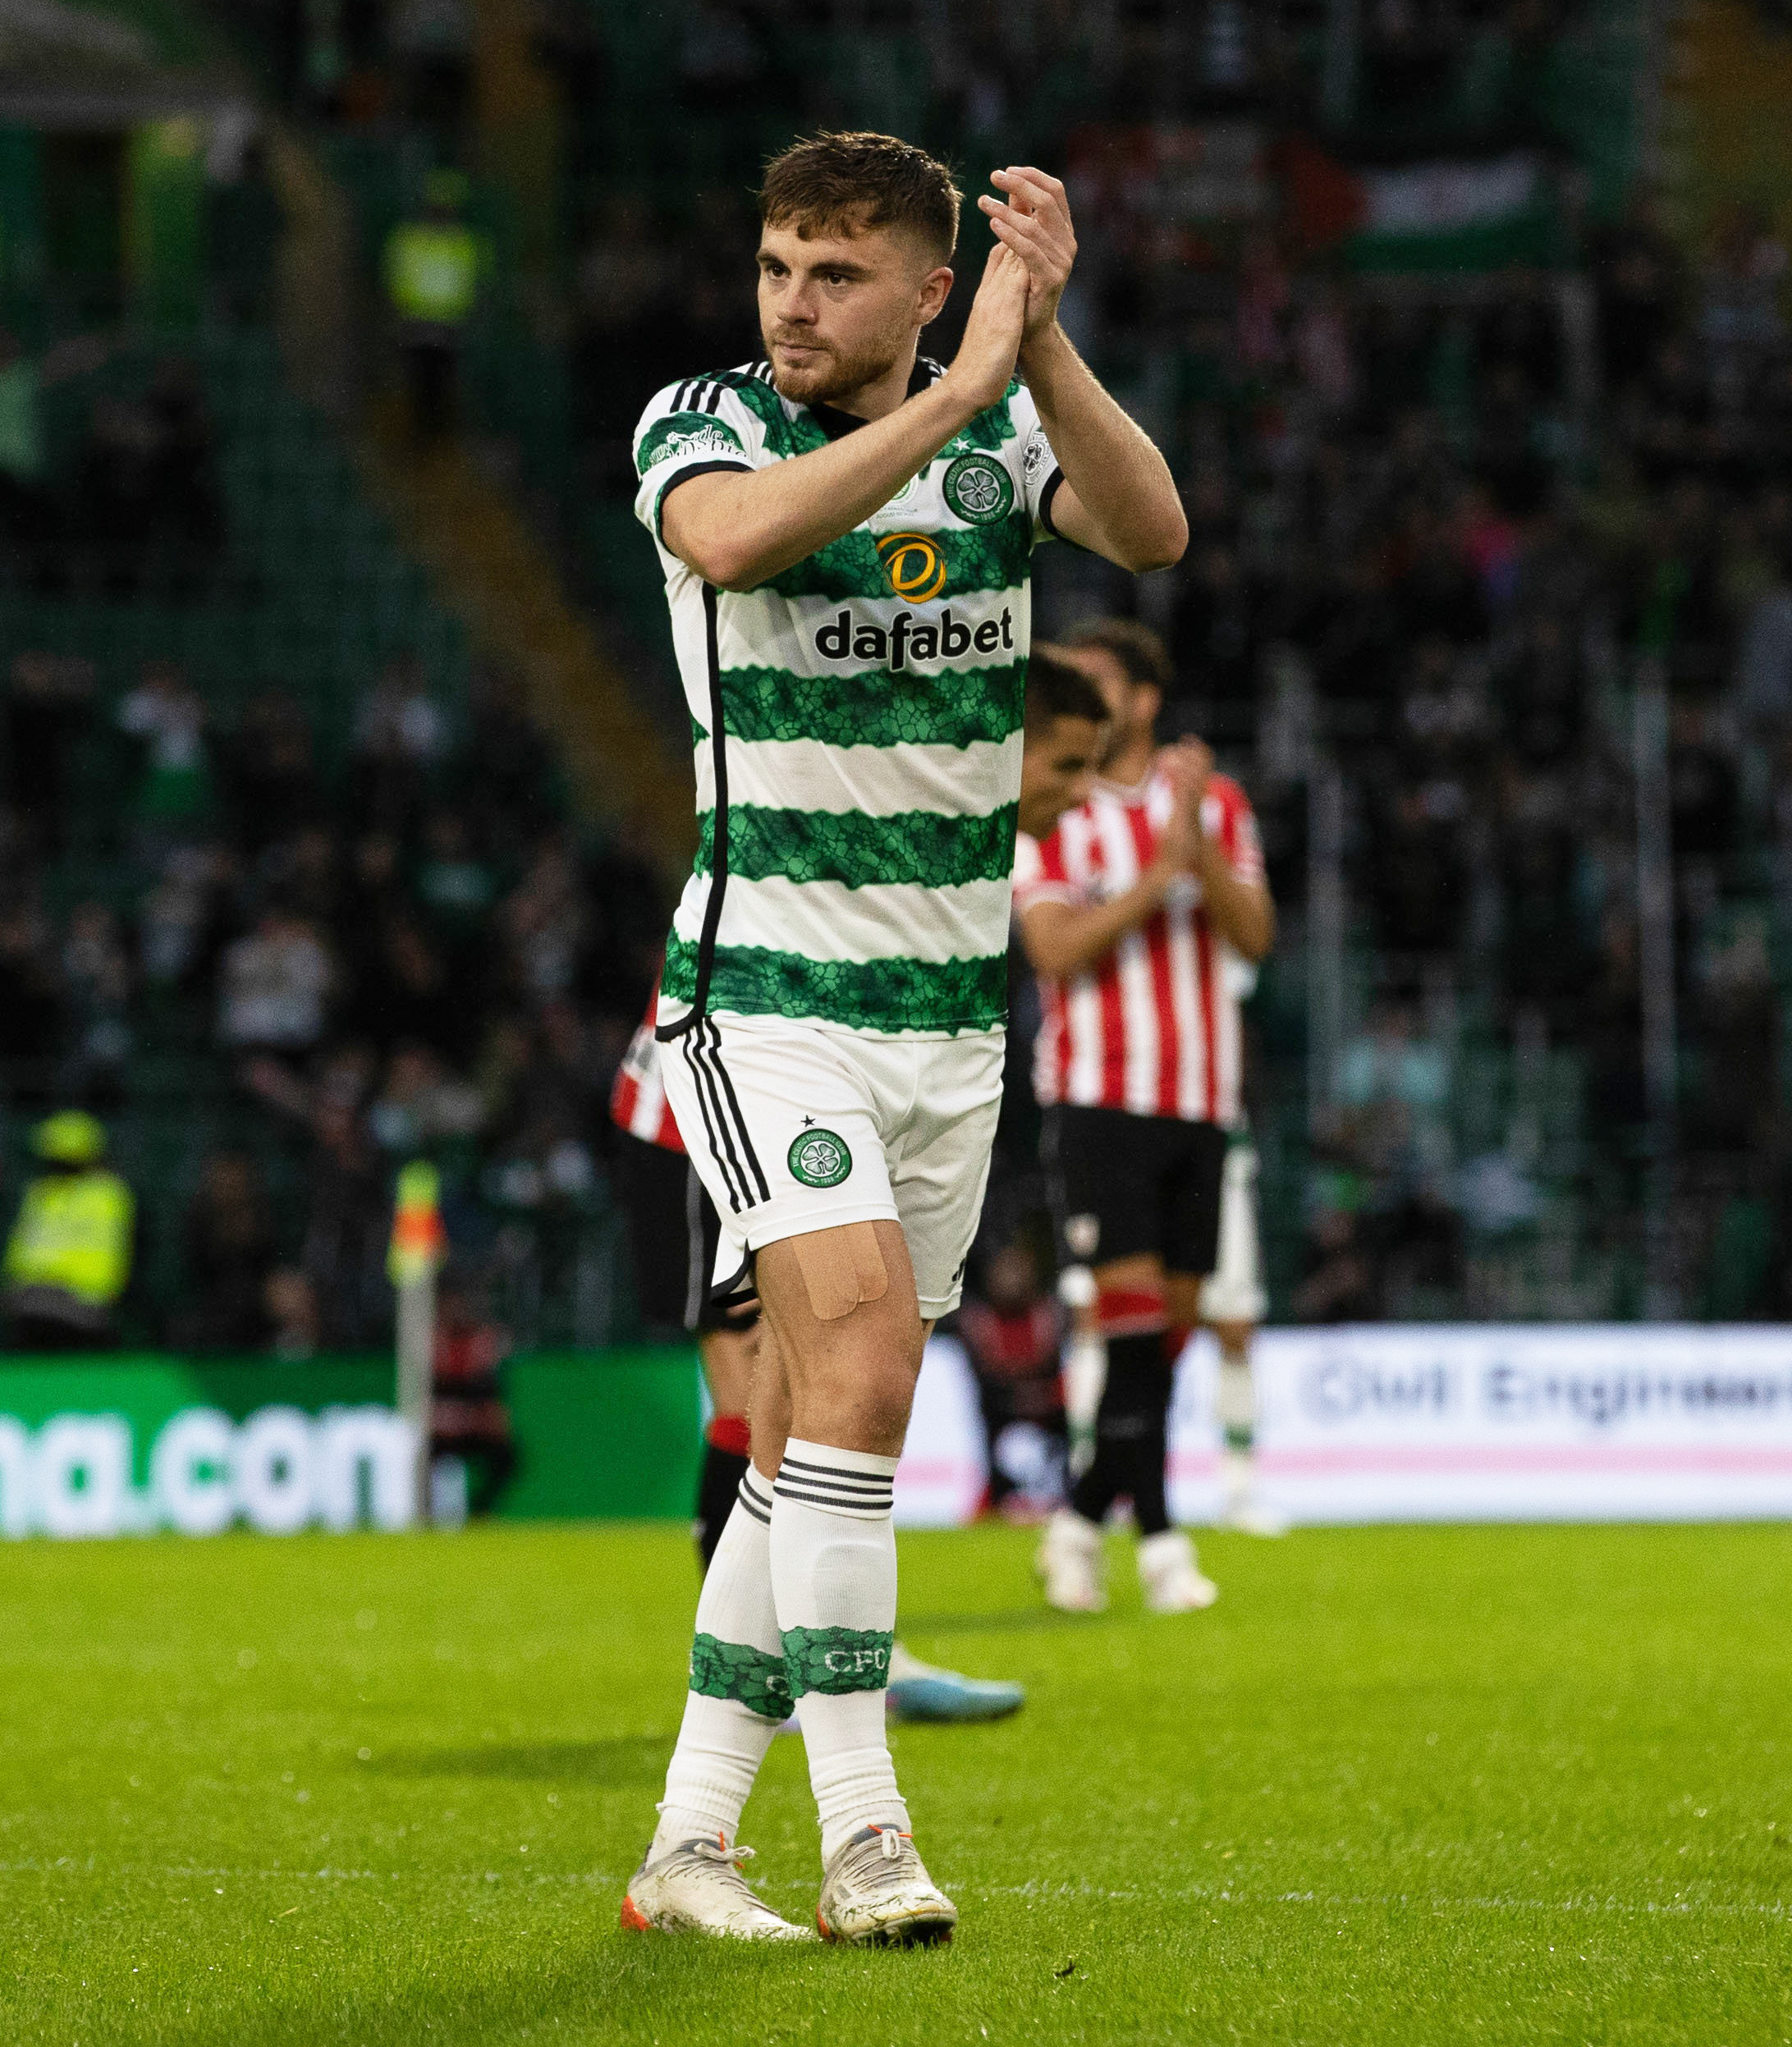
(835, 1660)
(734, 1670)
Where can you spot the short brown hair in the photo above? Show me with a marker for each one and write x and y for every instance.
(1139, 650)
(835, 183)
(1054, 689)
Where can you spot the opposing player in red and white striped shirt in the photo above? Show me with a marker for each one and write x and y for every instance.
(1145, 915)
(1152, 1027)
(638, 1101)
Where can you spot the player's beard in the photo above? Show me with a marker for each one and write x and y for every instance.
(830, 375)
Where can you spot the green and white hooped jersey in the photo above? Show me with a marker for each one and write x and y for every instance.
(857, 723)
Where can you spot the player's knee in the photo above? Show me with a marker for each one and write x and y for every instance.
(1143, 1273)
(857, 1400)
(887, 1406)
(1182, 1299)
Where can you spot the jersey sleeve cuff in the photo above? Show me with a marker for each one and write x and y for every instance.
(1051, 491)
(684, 476)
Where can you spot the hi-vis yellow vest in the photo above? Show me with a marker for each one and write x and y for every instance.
(73, 1232)
(433, 271)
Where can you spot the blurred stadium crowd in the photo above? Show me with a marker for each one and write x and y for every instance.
(415, 956)
(1443, 518)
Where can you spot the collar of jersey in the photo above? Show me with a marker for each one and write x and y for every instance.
(835, 423)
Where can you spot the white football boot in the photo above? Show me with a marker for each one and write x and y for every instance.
(1171, 1579)
(1071, 1561)
(875, 1893)
(698, 1888)
(1249, 1516)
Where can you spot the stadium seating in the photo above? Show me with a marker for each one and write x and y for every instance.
(310, 594)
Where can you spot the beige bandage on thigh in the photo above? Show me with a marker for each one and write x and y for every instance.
(841, 1267)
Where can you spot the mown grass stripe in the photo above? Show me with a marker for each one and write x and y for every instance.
(867, 994)
(958, 707)
(914, 848)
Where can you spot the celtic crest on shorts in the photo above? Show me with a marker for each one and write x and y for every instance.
(818, 1158)
(979, 489)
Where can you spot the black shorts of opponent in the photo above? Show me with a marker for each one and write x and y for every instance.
(1122, 1185)
(673, 1233)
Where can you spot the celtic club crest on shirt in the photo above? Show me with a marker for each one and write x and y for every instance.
(818, 1158)
(979, 489)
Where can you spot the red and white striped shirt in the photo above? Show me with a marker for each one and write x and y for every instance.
(1156, 1027)
(638, 1097)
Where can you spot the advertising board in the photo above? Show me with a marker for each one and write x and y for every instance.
(1464, 1422)
(126, 1445)
(129, 1444)
(1357, 1424)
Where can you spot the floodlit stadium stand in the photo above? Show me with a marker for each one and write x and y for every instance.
(1476, 387)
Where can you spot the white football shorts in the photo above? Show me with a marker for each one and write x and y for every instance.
(795, 1127)
(1233, 1291)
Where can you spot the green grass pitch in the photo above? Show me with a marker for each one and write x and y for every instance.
(1401, 1785)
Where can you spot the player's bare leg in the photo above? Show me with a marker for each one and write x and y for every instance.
(728, 1357)
(1141, 1316)
(842, 1305)
(768, 1405)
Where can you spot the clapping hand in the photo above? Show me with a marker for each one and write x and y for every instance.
(1034, 222)
(1187, 765)
(985, 360)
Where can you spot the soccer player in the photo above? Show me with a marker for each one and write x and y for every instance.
(674, 1229)
(1143, 913)
(673, 1233)
(846, 532)
(1066, 720)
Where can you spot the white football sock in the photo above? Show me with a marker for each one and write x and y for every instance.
(1235, 1408)
(739, 1693)
(1234, 1402)
(834, 1576)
